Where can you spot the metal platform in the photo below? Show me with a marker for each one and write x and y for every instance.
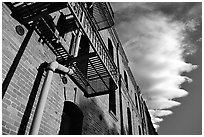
(104, 20)
(101, 72)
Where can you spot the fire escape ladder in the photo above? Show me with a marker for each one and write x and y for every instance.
(94, 70)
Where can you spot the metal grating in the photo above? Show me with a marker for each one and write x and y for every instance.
(27, 12)
(101, 71)
(97, 81)
(96, 42)
(103, 15)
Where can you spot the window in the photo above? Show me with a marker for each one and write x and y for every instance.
(141, 109)
(65, 24)
(72, 44)
(89, 6)
(129, 121)
(83, 50)
(110, 49)
(126, 79)
(139, 130)
(136, 101)
(112, 100)
(72, 120)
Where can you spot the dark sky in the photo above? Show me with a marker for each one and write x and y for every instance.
(147, 31)
(187, 118)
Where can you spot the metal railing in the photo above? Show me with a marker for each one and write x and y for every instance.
(89, 29)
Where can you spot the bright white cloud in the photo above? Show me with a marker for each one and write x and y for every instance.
(159, 113)
(156, 126)
(161, 103)
(156, 120)
(154, 46)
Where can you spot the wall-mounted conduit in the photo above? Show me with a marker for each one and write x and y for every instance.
(52, 67)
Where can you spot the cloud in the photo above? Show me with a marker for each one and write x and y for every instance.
(156, 120)
(156, 126)
(155, 42)
(160, 113)
(191, 24)
(161, 103)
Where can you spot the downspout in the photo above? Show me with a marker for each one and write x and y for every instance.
(120, 93)
(44, 93)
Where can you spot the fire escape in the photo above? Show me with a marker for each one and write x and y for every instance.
(95, 72)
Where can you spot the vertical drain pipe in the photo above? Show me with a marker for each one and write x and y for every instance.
(43, 95)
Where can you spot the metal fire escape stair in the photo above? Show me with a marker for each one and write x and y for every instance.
(103, 21)
(101, 70)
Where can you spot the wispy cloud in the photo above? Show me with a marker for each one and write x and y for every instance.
(155, 42)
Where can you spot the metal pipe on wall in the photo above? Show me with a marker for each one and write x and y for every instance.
(44, 93)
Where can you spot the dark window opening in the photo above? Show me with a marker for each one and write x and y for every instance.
(72, 45)
(112, 100)
(140, 106)
(129, 121)
(139, 130)
(89, 6)
(143, 131)
(136, 101)
(65, 24)
(110, 49)
(126, 79)
(83, 50)
(72, 120)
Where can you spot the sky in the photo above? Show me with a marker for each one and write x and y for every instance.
(163, 43)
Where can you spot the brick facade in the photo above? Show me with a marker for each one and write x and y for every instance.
(21, 97)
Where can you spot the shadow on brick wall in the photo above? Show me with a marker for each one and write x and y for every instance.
(94, 122)
(31, 100)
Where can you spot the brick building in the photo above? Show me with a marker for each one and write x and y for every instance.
(64, 71)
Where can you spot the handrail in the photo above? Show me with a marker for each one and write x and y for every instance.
(97, 43)
(97, 33)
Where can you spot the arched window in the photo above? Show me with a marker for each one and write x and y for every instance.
(136, 103)
(139, 130)
(72, 119)
(83, 50)
(110, 49)
(129, 121)
(112, 99)
(126, 79)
